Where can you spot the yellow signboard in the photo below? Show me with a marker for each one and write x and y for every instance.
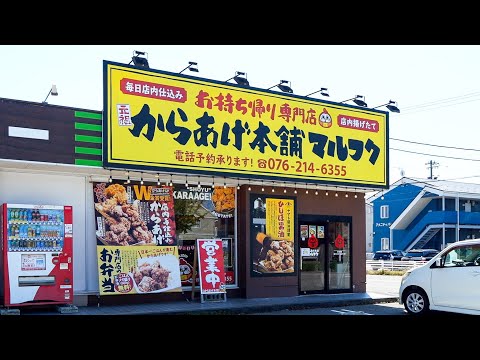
(161, 121)
(280, 219)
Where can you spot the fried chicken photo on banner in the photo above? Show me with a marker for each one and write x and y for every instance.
(123, 223)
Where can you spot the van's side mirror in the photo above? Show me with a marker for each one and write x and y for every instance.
(438, 262)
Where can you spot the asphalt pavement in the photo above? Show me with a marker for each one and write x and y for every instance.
(380, 288)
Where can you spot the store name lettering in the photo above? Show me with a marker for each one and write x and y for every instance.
(285, 141)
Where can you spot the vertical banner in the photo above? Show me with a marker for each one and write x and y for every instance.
(210, 266)
(272, 236)
(186, 255)
(137, 249)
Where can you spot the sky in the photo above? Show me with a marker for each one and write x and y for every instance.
(436, 87)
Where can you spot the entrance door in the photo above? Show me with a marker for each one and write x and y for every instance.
(312, 256)
(325, 243)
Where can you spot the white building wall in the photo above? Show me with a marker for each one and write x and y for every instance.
(50, 189)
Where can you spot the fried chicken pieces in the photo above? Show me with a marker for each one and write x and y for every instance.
(151, 277)
(279, 256)
(123, 223)
(223, 199)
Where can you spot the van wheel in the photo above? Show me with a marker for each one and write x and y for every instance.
(416, 302)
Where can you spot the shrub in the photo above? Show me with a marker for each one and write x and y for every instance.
(386, 272)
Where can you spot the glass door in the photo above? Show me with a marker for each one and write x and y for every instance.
(312, 257)
(325, 244)
(339, 255)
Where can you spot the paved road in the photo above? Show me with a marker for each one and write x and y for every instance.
(383, 284)
(387, 285)
(364, 310)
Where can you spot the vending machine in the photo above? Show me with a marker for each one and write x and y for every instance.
(37, 258)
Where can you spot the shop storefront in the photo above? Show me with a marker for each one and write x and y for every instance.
(145, 184)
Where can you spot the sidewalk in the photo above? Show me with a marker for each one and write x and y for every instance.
(380, 289)
(234, 306)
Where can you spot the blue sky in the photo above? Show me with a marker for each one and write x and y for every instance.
(437, 87)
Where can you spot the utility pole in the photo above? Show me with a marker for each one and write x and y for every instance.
(432, 164)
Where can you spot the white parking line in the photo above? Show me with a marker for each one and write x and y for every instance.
(350, 312)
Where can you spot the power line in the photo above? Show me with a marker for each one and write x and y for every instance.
(443, 156)
(442, 146)
(437, 107)
(441, 101)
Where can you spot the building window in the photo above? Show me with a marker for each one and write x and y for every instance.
(197, 225)
(205, 213)
(384, 212)
(385, 243)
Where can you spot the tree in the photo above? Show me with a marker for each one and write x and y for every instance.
(187, 214)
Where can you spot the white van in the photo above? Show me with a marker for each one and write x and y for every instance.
(450, 281)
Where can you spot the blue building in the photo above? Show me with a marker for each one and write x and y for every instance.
(425, 213)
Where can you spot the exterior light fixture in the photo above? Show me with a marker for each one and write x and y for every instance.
(358, 99)
(240, 78)
(171, 180)
(263, 189)
(192, 66)
(273, 186)
(139, 58)
(249, 187)
(141, 179)
(158, 179)
(238, 184)
(213, 182)
(128, 177)
(198, 185)
(110, 178)
(224, 182)
(336, 193)
(323, 91)
(186, 181)
(391, 105)
(284, 188)
(326, 192)
(295, 191)
(282, 86)
(53, 91)
(306, 190)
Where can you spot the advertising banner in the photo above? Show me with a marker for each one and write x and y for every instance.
(272, 235)
(138, 269)
(136, 238)
(210, 266)
(134, 214)
(186, 255)
(161, 121)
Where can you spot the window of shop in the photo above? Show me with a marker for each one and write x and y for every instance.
(205, 213)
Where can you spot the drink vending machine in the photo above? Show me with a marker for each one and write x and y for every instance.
(36, 254)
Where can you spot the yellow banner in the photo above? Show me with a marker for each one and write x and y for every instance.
(161, 121)
(280, 223)
(138, 269)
